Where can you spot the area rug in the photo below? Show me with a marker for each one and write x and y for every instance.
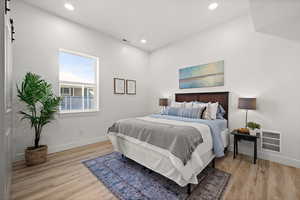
(129, 180)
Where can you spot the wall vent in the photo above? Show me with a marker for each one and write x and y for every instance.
(271, 141)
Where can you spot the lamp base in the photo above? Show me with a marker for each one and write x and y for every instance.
(246, 122)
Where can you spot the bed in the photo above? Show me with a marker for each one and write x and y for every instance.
(165, 163)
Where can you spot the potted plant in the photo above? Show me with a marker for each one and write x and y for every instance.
(254, 127)
(41, 106)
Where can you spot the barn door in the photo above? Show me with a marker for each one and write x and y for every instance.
(6, 100)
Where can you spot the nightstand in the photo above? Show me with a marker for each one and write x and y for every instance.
(242, 136)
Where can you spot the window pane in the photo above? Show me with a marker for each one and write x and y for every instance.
(89, 98)
(72, 101)
(75, 68)
(65, 91)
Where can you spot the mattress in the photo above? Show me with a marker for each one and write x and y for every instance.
(159, 161)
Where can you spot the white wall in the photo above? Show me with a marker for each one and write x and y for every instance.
(256, 65)
(38, 39)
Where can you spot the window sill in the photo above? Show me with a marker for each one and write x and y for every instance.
(77, 112)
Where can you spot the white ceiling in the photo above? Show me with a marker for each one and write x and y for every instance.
(159, 21)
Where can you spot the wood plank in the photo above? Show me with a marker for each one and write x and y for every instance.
(65, 177)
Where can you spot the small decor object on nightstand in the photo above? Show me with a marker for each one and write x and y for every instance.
(119, 86)
(243, 130)
(131, 87)
(254, 128)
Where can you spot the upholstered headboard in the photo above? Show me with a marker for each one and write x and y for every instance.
(221, 97)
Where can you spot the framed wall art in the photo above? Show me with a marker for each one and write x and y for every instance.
(199, 76)
(131, 87)
(119, 86)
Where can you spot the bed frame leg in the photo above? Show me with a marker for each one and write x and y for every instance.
(189, 189)
(189, 186)
(225, 150)
(213, 163)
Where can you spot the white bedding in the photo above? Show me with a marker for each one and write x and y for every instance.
(161, 160)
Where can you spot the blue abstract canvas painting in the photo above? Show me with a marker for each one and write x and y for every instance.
(207, 75)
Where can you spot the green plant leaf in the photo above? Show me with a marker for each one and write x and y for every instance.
(41, 103)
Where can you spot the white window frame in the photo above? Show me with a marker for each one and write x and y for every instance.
(82, 85)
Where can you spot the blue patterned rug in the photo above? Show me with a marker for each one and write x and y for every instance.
(129, 180)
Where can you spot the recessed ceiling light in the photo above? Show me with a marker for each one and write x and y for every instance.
(125, 40)
(69, 6)
(213, 6)
(143, 41)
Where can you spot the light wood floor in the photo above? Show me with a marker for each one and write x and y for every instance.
(63, 177)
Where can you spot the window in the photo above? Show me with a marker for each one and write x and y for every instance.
(78, 82)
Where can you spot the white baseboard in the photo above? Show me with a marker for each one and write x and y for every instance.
(63, 147)
(269, 156)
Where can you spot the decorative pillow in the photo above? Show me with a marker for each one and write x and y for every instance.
(202, 113)
(175, 104)
(201, 105)
(197, 104)
(211, 111)
(174, 111)
(221, 112)
(194, 113)
(188, 104)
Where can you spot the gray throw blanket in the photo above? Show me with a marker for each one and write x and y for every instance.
(181, 141)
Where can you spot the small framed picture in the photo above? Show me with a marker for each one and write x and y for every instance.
(119, 86)
(131, 87)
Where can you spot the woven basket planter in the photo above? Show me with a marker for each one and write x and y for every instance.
(36, 156)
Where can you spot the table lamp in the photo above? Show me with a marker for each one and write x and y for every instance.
(163, 102)
(247, 104)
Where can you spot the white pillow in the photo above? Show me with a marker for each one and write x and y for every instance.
(177, 104)
(211, 111)
(202, 106)
(199, 105)
(188, 105)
